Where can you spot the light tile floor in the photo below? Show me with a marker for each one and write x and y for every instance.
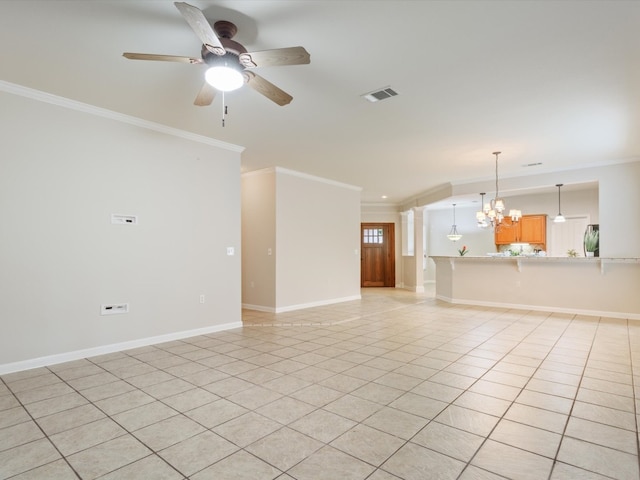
(396, 385)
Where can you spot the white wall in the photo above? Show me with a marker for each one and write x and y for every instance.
(64, 169)
(409, 273)
(258, 238)
(620, 210)
(573, 202)
(477, 241)
(317, 241)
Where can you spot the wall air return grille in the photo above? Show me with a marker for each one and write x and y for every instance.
(380, 94)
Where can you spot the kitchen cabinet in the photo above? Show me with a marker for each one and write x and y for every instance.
(533, 229)
(507, 233)
(530, 229)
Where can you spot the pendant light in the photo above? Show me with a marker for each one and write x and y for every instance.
(481, 217)
(454, 236)
(559, 218)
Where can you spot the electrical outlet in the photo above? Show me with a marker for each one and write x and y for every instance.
(202, 298)
(231, 251)
(114, 309)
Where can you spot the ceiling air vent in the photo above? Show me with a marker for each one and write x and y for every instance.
(380, 94)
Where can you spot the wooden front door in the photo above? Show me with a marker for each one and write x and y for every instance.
(377, 247)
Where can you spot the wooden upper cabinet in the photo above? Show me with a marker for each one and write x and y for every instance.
(533, 229)
(508, 233)
(530, 229)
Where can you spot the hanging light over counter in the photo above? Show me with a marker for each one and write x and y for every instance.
(481, 216)
(559, 218)
(492, 213)
(454, 236)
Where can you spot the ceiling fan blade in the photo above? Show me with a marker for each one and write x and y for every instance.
(200, 25)
(275, 57)
(205, 96)
(161, 58)
(267, 89)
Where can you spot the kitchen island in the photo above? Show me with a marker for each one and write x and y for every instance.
(608, 287)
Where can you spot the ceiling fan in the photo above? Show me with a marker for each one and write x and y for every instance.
(231, 66)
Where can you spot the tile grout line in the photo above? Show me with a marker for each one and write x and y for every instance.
(35, 421)
(633, 387)
(405, 442)
(573, 402)
(458, 396)
(514, 400)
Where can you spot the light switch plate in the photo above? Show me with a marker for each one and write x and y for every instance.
(117, 219)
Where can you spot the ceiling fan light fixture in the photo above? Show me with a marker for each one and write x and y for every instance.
(219, 50)
(224, 78)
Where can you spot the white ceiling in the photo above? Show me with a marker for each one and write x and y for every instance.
(556, 82)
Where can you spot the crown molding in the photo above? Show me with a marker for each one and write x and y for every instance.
(294, 173)
(45, 97)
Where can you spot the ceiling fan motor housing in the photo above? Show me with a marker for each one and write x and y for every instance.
(225, 29)
(230, 58)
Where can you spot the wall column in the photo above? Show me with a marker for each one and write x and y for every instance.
(404, 225)
(418, 245)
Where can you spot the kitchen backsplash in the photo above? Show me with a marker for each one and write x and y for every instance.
(526, 249)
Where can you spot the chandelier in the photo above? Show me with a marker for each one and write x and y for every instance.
(454, 236)
(492, 213)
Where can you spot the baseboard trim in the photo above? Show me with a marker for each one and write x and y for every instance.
(301, 306)
(258, 308)
(415, 289)
(115, 347)
(542, 308)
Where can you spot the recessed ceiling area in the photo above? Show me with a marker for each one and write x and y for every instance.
(552, 84)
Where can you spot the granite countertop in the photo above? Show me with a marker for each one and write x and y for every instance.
(540, 258)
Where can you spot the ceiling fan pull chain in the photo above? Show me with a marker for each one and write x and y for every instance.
(224, 109)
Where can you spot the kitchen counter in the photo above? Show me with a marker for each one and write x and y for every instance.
(519, 260)
(597, 286)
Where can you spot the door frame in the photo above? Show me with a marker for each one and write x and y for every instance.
(389, 251)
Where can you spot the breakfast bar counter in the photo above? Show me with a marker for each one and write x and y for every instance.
(608, 287)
